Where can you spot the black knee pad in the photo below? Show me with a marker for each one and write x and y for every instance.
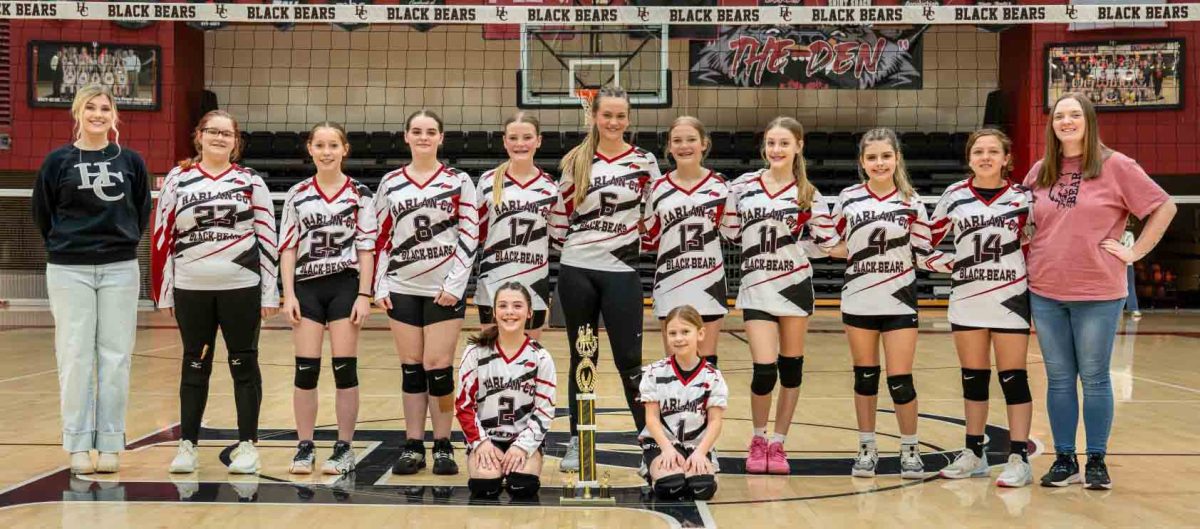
(521, 485)
(196, 372)
(670, 488)
(243, 367)
(902, 389)
(485, 488)
(441, 381)
(763, 380)
(791, 371)
(412, 378)
(711, 359)
(1015, 384)
(866, 380)
(308, 371)
(703, 486)
(345, 372)
(975, 384)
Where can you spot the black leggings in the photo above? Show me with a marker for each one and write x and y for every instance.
(586, 294)
(199, 314)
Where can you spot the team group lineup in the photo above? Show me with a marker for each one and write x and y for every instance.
(1042, 253)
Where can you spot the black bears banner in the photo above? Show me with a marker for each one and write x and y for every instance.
(848, 57)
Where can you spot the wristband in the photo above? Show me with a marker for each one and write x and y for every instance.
(365, 295)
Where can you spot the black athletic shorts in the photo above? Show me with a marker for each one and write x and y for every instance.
(420, 311)
(504, 445)
(706, 318)
(758, 315)
(881, 323)
(651, 451)
(328, 298)
(956, 327)
(487, 316)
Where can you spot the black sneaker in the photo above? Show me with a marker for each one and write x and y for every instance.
(443, 458)
(1096, 473)
(412, 458)
(1063, 472)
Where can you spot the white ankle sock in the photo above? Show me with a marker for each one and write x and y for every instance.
(778, 437)
(760, 432)
(908, 439)
(866, 438)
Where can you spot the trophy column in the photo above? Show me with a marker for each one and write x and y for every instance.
(587, 490)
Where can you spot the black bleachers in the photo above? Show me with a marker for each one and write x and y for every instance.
(453, 142)
(816, 145)
(285, 145)
(744, 146)
(360, 144)
(382, 145)
(571, 138)
(650, 141)
(258, 145)
(940, 147)
(842, 146)
(477, 143)
(915, 146)
(722, 144)
(552, 144)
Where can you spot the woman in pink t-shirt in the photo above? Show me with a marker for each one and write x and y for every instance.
(1083, 192)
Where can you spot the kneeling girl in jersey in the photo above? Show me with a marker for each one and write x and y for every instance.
(214, 263)
(778, 212)
(515, 200)
(989, 302)
(505, 400)
(327, 248)
(685, 399)
(428, 231)
(682, 216)
(881, 222)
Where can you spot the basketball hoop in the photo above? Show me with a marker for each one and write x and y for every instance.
(586, 96)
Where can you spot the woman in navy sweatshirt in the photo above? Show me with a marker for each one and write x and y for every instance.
(91, 202)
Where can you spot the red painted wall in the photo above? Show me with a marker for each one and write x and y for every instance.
(1164, 142)
(37, 131)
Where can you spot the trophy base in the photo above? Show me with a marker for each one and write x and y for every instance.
(587, 495)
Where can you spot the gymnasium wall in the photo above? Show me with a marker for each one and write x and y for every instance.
(370, 79)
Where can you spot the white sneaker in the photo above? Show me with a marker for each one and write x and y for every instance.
(81, 463)
(864, 463)
(570, 461)
(342, 460)
(304, 459)
(911, 465)
(966, 465)
(244, 459)
(108, 462)
(1017, 473)
(186, 459)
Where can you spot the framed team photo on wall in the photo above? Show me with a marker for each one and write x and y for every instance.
(58, 69)
(1118, 75)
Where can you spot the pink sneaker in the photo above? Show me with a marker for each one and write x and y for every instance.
(756, 460)
(777, 462)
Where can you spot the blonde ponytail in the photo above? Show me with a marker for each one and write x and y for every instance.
(502, 169)
(578, 161)
(804, 189)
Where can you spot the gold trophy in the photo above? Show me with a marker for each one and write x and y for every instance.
(587, 345)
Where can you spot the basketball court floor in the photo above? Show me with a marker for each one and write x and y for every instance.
(1154, 453)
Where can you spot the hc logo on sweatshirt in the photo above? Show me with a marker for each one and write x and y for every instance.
(97, 181)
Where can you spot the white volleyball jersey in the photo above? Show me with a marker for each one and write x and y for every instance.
(506, 396)
(989, 282)
(882, 235)
(515, 238)
(776, 272)
(327, 229)
(683, 230)
(602, 233)
(427, 233)
(683, 403)
(214, 232)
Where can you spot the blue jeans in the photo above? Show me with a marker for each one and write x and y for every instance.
(1076, 338)
(1131, 301)
(95, 320)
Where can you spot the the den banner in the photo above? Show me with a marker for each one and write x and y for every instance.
(856, 57)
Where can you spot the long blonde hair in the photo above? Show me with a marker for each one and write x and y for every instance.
(804, 189)
(78, 104)
(1094, 150)
(500, 170)
(578, 161)
(900, 176)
